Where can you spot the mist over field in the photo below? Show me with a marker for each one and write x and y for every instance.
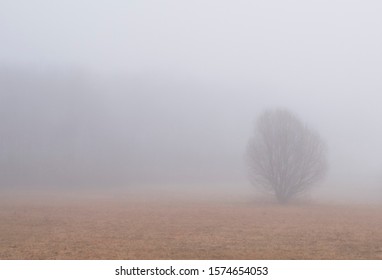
(151, 129)
(147, 94)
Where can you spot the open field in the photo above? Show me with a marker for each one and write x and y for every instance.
(128, 227)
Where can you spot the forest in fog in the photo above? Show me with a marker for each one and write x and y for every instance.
(141, 93)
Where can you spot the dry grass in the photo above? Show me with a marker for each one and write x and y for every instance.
(139, 228)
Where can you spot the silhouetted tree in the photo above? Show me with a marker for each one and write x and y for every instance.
(285, 157)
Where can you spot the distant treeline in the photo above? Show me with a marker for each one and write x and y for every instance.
(67, 129)
(54, 131)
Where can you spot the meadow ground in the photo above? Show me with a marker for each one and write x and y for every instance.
(80, 226)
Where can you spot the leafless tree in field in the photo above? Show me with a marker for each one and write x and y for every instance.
(285, 157)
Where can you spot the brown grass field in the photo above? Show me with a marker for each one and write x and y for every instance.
(137, 227)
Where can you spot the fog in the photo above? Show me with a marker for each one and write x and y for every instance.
(165, 93)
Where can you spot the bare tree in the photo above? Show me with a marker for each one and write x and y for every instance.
(285, 157)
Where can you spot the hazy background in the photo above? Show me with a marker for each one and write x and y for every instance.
(165, 93)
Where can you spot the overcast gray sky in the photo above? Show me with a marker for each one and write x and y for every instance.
(181, 82)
